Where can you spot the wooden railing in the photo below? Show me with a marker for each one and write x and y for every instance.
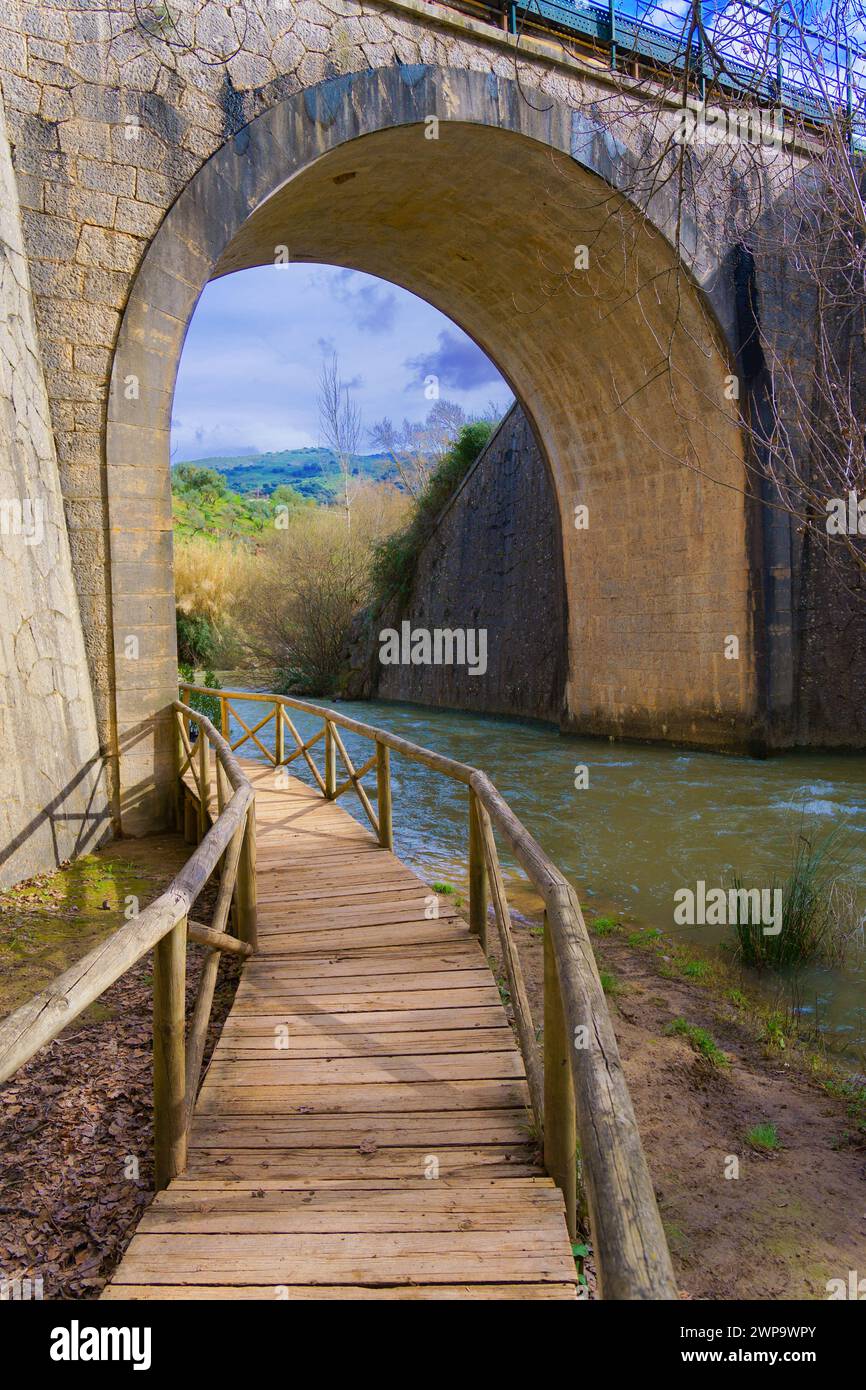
(580, 1099)
(227, 846)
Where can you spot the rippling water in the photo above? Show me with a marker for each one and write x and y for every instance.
(652, 820)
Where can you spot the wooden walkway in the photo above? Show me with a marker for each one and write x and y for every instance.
(362, 1129)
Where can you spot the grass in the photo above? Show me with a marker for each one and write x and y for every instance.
(580, 1252)
(604, 926)
(763, 1138)
(697, 969)
(501, 983)
(854, 1093)
(642, 938)
(700, 1040)
(609, 983)
(446, 888)
(775, 1031)
(820, 918)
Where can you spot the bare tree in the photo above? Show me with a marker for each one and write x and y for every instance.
(340, 423)
(418, 447)
(750, 127)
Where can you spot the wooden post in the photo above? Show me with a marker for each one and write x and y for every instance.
(383, 795)
(560, 1133)
(190, 819)
(169, 1069)
(224, 791)
(177, 755)
(203, 783)
(330, 761)
(246, 882)
(279, 735)
(477, 875)
(224, 717)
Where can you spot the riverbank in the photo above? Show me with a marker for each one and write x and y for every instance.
(76, 1165)
(756, 1144)
(719, 1081)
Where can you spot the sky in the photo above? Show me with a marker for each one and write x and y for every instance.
(249, 373)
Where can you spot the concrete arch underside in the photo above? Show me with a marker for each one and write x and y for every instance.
(620, 367)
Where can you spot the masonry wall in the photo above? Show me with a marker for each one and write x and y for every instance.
(53, 798)
(494, 563)
(495, 557)
(109, 125)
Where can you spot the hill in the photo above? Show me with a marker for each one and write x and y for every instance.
(314, 473)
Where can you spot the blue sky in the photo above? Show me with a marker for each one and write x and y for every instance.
(248, 378)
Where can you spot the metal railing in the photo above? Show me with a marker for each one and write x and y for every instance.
(766, 56)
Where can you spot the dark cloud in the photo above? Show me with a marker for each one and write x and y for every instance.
(457, 362)
(372, 307)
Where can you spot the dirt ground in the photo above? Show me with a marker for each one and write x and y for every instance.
(795, 1217)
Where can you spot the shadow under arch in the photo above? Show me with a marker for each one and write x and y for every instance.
(483, 222)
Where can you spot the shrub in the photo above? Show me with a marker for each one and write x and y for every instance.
(307, 583)
(396, 557)
(207, 705)
(820, 917)
(196, 640)
(209, 578)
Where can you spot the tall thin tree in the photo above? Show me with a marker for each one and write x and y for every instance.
(340, 424)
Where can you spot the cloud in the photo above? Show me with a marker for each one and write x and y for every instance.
(249, 373)
(372, 307)
(457, 362)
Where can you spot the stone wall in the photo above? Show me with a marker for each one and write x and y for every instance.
(53, 800)
(494, 563)
(495, 560)
(146, 165)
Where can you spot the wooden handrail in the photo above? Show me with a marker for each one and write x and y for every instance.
(461, 772)
(629, 1240)
(162, 928)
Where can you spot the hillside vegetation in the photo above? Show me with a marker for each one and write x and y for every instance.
(204, 504)
(313, 473)
(272, 584)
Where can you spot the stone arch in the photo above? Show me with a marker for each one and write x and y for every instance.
(479, 221)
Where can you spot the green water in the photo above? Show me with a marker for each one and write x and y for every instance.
(652, 820)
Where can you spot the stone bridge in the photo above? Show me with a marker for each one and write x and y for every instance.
(414, 142)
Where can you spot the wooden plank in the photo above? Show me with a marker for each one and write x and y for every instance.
(293, 1292)
(363, 1128)
(219, 1098)
(345, 1220)
(353, 1131)
(367, 1045)
(412, 933)
(408, 1162)
(276, 1070)
(257, 1016)
(481, 1194)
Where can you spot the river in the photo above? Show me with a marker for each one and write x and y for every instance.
(651, 820)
